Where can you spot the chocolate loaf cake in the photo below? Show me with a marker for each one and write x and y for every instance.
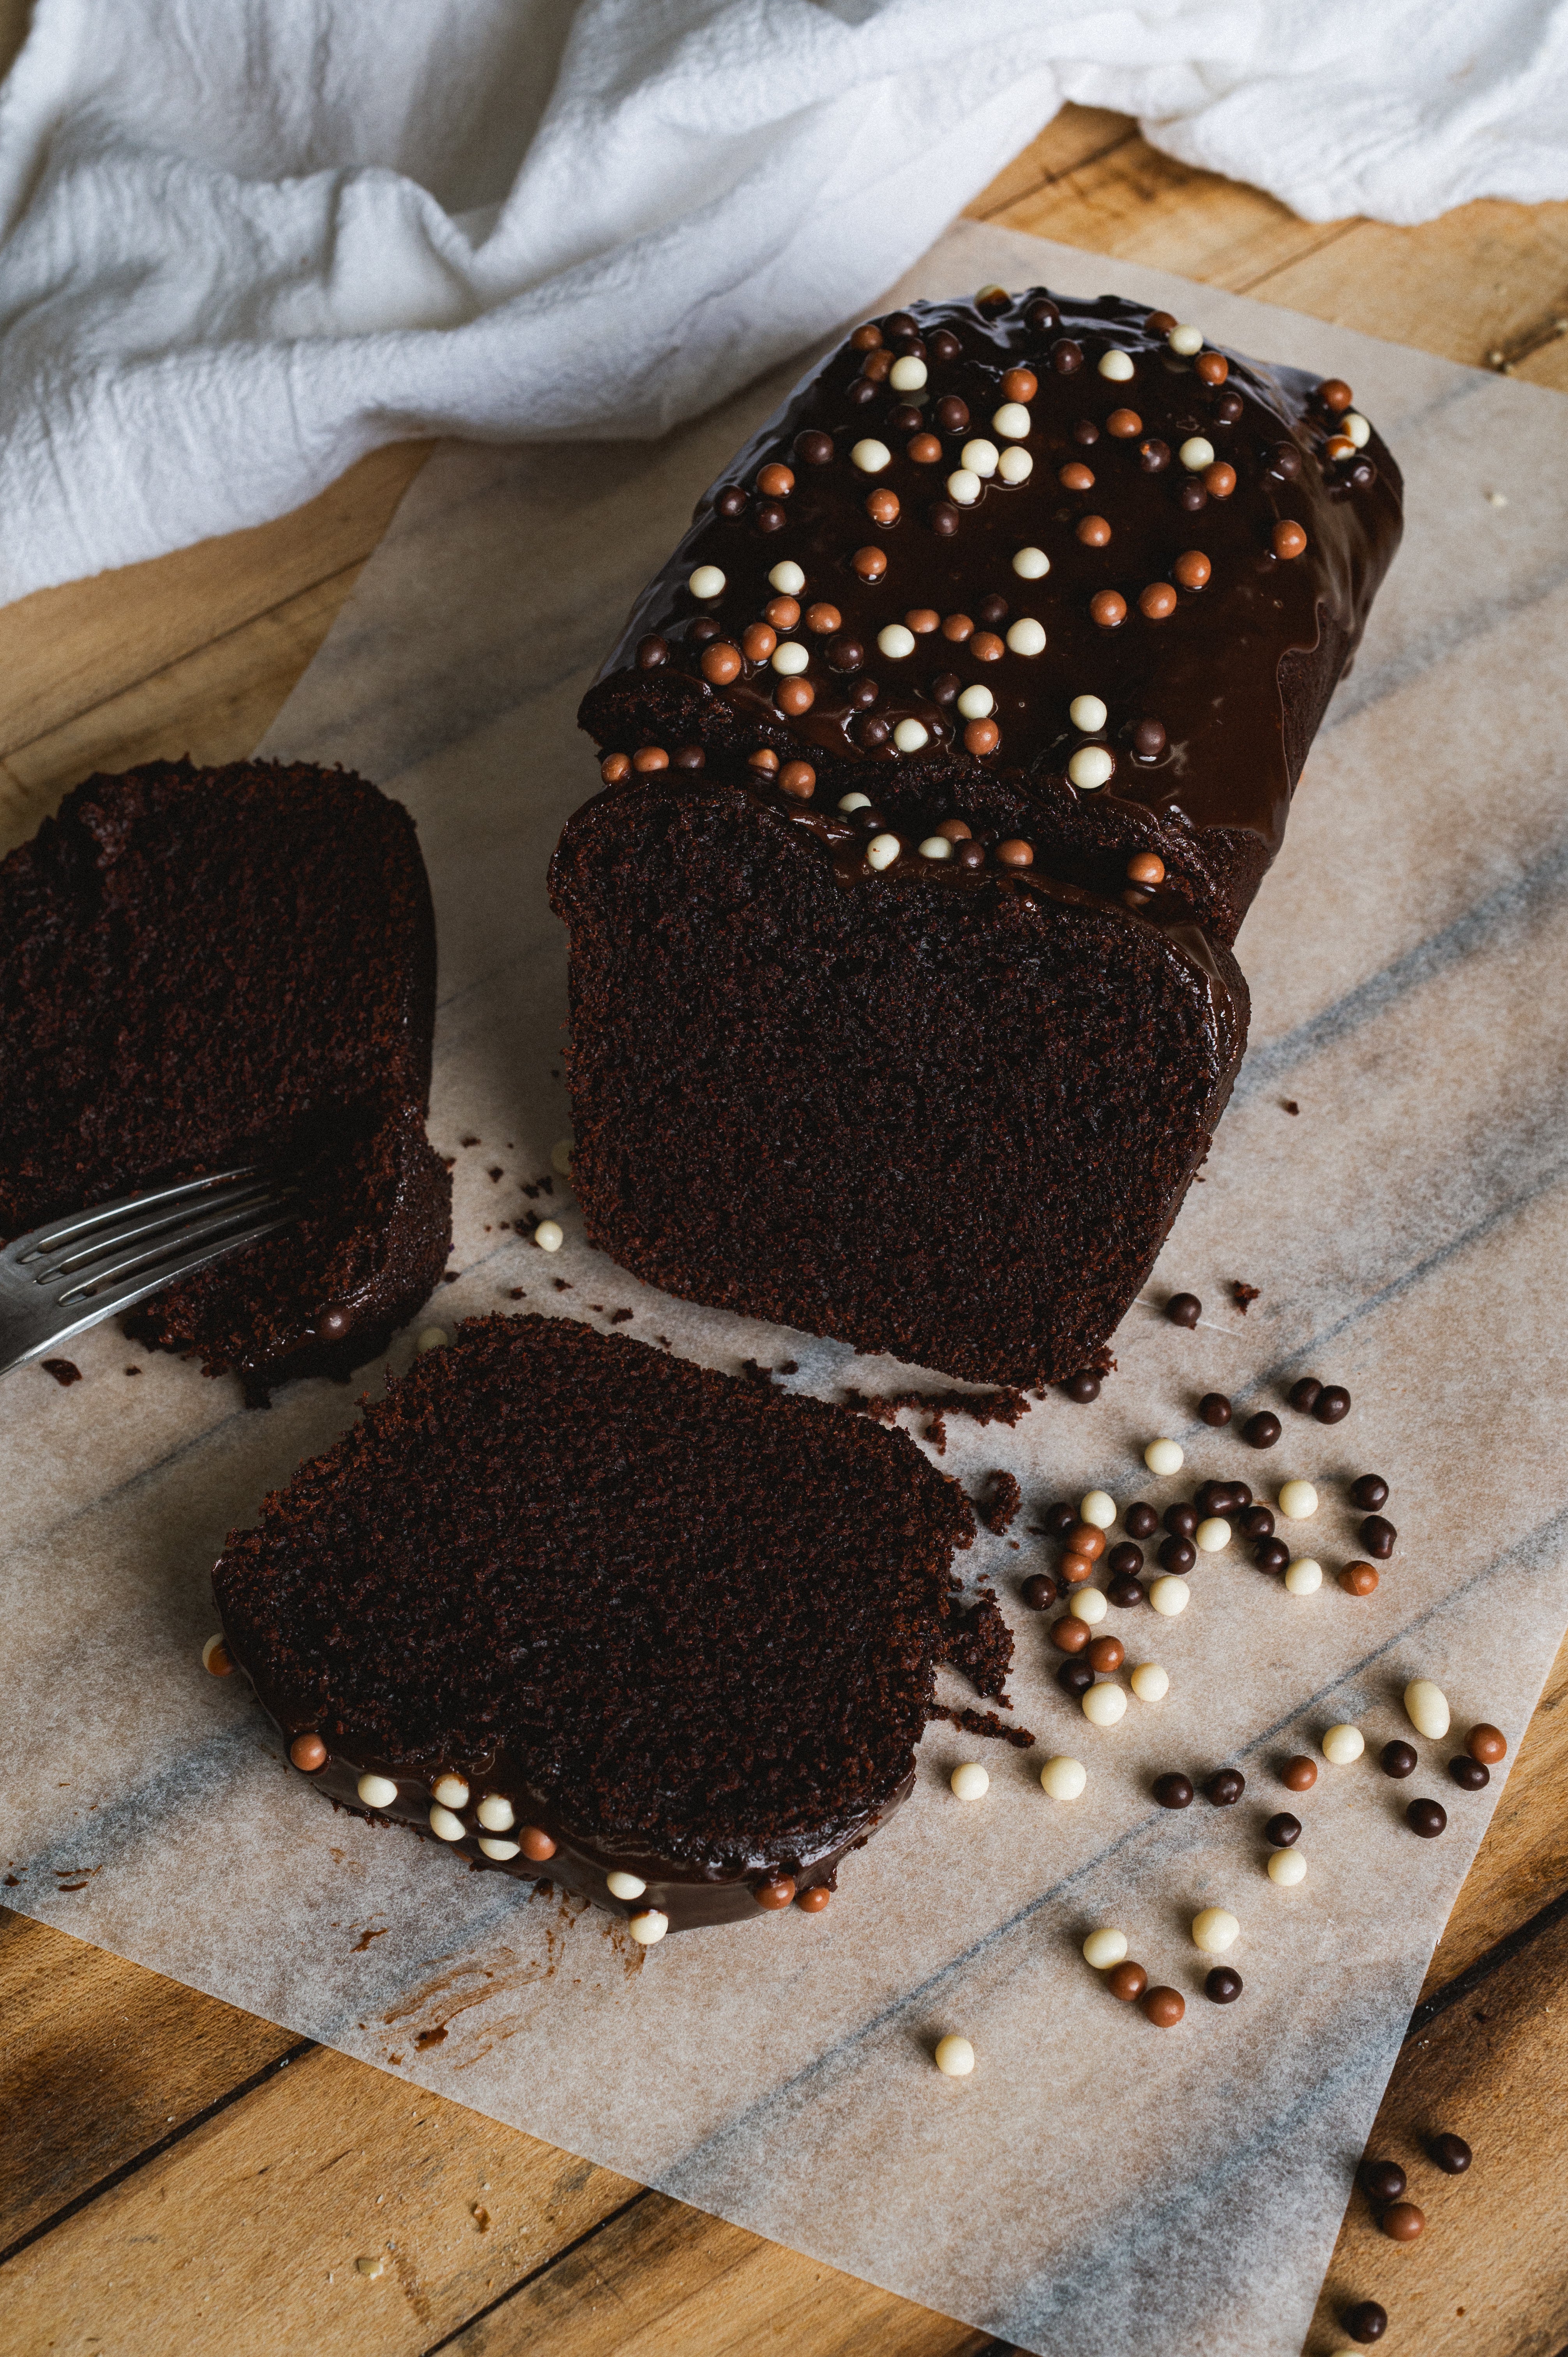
(942, 761)
(593, 1613)
(201, 968)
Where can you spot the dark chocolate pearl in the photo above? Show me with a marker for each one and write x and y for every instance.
(703, 629)
(1082, 1387)
(990, 612)
(1214, 1408)
(946, 688)
(864, 694)
(1153, 456)
(1367, 2320)
(1451, 2153)
(844, 653)
(770, 516)
(943, 519)
(1257, 1522)
(910, 344)
(1066, 358)
(1139, 1522)
(1225, 1787)
(1333, 1403)
(1363, 474)
(1086, 433)
(1398, 1759)
(1182, 1520)
(945, 345)
(1228, 408)
(871, 731)
(1124, 1560)
(870, 821)
(1304, 1393)
(1075, 1677)
(1285, 461)
(813, 447)
(1261, 1431)
(1378, 1536)
(1222, 1987)
(1427, 1818)
(1193, 496)
(1271, 1555)
(1174, 1791)
(1042, 314)
(689, 757)
(952, 414)
(731, 502)
(905, 419)
(1039, 1591)
(1057, 1520)
(970, 855)
(858, 393)
(651, 651)
(1470, 1775)
(1182, 1308)
(334, 1322)
(1381, 2181)
(1149, 743)
(1124, 1592)
(900, 323)
(1212, 1498)
(1368, 1491)
(1177, 1555)
(1283, 1831)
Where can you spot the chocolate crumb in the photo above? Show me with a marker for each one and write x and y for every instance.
(1242, 1295)
(1000, 1502)
(64, 1370)
(133, 1370)
(619, 1317)
(980, 1644)
(471, 1141)
(516, 1294)
(563, 1285)
(495, 1174)
(1290, 1104)
(450, 1161)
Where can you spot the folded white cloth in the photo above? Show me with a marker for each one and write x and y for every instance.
(242, 241)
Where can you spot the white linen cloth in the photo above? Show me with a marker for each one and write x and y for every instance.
(242, 242)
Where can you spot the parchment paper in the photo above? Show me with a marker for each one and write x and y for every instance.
(1096, 2187)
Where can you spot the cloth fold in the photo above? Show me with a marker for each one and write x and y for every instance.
(246, 241)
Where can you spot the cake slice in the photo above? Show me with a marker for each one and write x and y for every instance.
(589, 1612)
(941, 763)
(205, 968)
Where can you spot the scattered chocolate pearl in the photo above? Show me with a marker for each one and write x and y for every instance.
(1215, 1409)
(1289, 539)
(1015, 853)
(954, 2057)
(1193, 569)
(1178, 1555)
(861, 390)
(1225, 1787)
(625, 1886)
(1141, 1521)
(1304, 1393)
(1222, 1986)
(1107, 609)
(1174, 1791)
(707, 581)
(1378, 1536)
(757, 641)
(1039, 1591)
(1069, 1634)
(1261, 1431)
(1212, 367)
(1358, 1579)
(1287, 1868)
(1145, 867)
(721, 663)
(1040, 315)
(1108, 1653)
(1486, 1743)
(1127, 1982)
(986, 647)
(1057, 1520)
(1087, 1539)
(1283, 1831)
(1075, 1678)
(1271, 1555)
(1157, 603)
(731, 502)
(1403, 2221)
(614, 767)
(1125, 1591)
(1470, 1775)
(1332, 1405)
(1381, 2181)
(943, 519)
(1427, 1818)
(812, 1902)
(1451, 2153)
(1164, 2006)
(1181, 1520)
(1367, 2320)
(813, 447)
(867, 338)
(1300, 1774)
(308, 1752)
(1184, 1308)
(1124, 1560)
(1257, 1522)
(1163, 1457)
(1086, 433)
(1214, 1930)
(1398, 1759)
(703, 629)
(652, 652)
(1149, 739)
(775, 482)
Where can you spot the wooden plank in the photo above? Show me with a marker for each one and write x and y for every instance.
(1077, 136)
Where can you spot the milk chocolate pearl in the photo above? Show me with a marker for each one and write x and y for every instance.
(1086, 1538)
(1164, 2006)
(1124, 423)
(1127, 1981)
(1261, 1431)
(1212, 367)
(1333, 1403)
(1366, 2322)
(1108, 1653)
(1470, 1775)
(1183, 1308)
(1220, 481)
(871, 563)
(722, 663)
(614, 767)
(1181, 1521)
(1427, 1818)
(778, 1891)
(1368, 1491)
(1124, 1560)
(1398, 1759)
(1149, 743)
(1378, 1536)
(1215, 1409)
(1451, 2153)
(1094, 532)
(1289, 540)
(1271, 1555)
(775, 482)
(1075, 1678)
(535, 1842)
(1066, 358)
(651, 651)
(1486, 1743)
(1283, 1831)
(1225, 1787)
(1257, 1522)
(795, 696)
(1403, 2221)
(309, 1751)
(1107, 609)
(1157, 603)
(882, 507)
(1335, 393)
(867, 338)
(877, 366)
(1193, 569)
(1381, 2181)
(1139, 1521)
(1222, 1986)
(1174, 1791)
(1300, 1774)
(1358, 1579)
(1145, 867)
(952, 414)
(1177, 1555)
(799, 779)
(1076, 476)
(812, 1902)
(1069, 1635)
(815, 448)
(1039, 1591)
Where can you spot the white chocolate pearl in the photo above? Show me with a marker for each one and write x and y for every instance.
(1161, 1456)
(882, 851)
(1426, 1708)
(954, 2057)
(893, 639)
(980, 457)
(451, 1792)
(1088, 713)
(870, 455)
(1188, 341)
(1088, 1605)
(1026, 636)
(1117, 366)
(1169, 1596)
(910, 736)
(550, 1235)
(1031, 564)
(561, 1155)
(964, 487)
(1214, 1930)
(1104, 1948)
(1341, 1745)
(970, 1782)
(1012, 421)
(496, 1813)
(1089, 769)
(707, 581)
(977, 704)
(1014, 466)
(494, 1847)
(376, 1792)
(1211, 1535)
(1098, 1508)
(935, 846)
(1149, 1681)
(435, 1338)
(1355, 428)
(1104, 1705)
(906, 375)
(624, 1886)
(1288, 1865)
(854, 802)
(649, 1928)
(1304, 1575)
(788, 578)
(1298, 1502)
(1064, 1779)
(444, 1823)
(790, 656)
(1196, 453)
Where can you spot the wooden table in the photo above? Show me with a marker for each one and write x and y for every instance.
(178, 2176)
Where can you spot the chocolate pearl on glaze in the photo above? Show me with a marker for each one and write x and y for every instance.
(924, 449)
(1367, 2321)
(1263, 1430)
(1094, 532)
(777, 1892)
(906, 419)
(308, 1752)
(1398, 1759)
(1127, 1982)
(845, 653)
(1257, 1522)
(703, 629)
(614, 767)
(1452, 2154)
(1192, 495)
(882, 507)
(1403, 2223)
(992, 610)
(1015, 853)
(1069, 1635)
(689, 756)
(1066, 358)
(812, 1902)
(795, 696)
(956, 830)
(1108, 610)
(1184, 1308)
(1284, 461)
(1288, 539)
(1124, 1560)
(535, 1842)
(1212, 367)
(1225, 1787)
(1193, 569)
(1174, 1791)
(1300, 1774)
(1153, 455)
(1158, 602)
(986, 647)
(799, 779)
(946, 688)
(943, 519)
(757, 641)
(721, 662)
(867, 338)
(1075, 1678)
(1219, 480)
(1228, 408)
(1378, 1536)
(945, 345)
(1335, 393)
(864, 694)
(871, 731)
(1020, 384)
(813, 447)
(858, 393)
(765, 761)
(1125, 424)
(1222, 1986)
(1086, 433)
(1042, 314)
(1039, 1591)
(1149, 743)
(1470, 1775)
(775, 482)
(732, 502)
(1164, 2006)
(652, 652)
(952, 414)
(1283, 1831)
(1486, 1743)
(1271, 1555)
(1332, 1405)
(1181, 1520)
(877, 366)
(1358, 1579)
(1145, 867)
(1076, 476)
(1427, 1818)
(1139, 1521)
(1381, 2181)
(871, 563)
(649, 758)
(1215, 1409)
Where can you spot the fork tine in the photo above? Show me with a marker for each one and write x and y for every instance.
(175, 1256)
(105, 1305)
(176, 1225)
(74, 1224)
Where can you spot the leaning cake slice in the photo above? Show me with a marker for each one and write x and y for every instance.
(588, 1612)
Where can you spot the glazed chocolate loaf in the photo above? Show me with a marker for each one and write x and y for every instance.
(201, 969)
(944, 761)
(593, 1613)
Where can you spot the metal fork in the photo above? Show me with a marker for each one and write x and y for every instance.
(72, 1273)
